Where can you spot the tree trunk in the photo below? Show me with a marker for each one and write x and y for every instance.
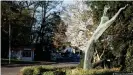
(104, 24)
(100, 62)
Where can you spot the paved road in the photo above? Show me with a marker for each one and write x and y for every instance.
(10, 70)
(13, 70)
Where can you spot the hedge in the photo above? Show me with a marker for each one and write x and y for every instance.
(49, 70)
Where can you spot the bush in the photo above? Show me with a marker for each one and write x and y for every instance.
(49, 70)
(68, 72)
(43, 70)
(48, 73)
(27, 71)
(129, 65)
(80, 71)
(36, 70)
(59, 73)
(129, 60)
(54, 73)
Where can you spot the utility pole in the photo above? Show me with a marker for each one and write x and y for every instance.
(9, 40)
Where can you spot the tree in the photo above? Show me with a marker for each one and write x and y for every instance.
(18, 16)
(46, 34)
(25, 22)
(104, 24)
(120, 31)
(59, 35)
(80, 25)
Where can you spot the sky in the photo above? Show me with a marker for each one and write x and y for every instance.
(68, 1)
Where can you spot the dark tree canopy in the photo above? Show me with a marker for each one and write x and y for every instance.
(19, 18)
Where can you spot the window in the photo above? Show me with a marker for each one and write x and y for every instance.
(26, 53)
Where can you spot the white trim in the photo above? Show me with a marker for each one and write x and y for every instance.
(27, 49)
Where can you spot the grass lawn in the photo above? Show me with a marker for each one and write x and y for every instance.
(15, 61)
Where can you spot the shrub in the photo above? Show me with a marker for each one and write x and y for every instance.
(40, 70)
(27, 71)
(36, 70)
(129, 60)
(80, 71)
(49, 70)
(48, 73)
(59, 73)
(68, 72)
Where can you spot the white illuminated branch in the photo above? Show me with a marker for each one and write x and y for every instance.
(104, 24)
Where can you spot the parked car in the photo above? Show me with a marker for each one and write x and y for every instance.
(65, 57)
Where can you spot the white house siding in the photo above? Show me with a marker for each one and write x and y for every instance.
(28, 58)
(19, 55)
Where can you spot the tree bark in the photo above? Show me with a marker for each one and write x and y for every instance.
(104, 24)
(100, 62)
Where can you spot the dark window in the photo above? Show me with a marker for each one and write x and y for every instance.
(26, 53)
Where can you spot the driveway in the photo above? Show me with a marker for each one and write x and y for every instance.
(14, 69)
(10, 70)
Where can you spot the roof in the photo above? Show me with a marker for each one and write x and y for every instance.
(23, 48)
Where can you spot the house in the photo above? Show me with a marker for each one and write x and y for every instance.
(23, 53)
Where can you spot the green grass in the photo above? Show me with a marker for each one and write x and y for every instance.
(15, 61)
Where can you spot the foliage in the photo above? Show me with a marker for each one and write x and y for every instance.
(120, 30)
(49, 33)
(59, 35)
(129, 60)
(54, 73)
(18, 16)
(49, 22)
(49, 70)
(20, 20)
(27, 71)
(44, 70)
(26, 28)
(35, 70)
(48, 73)
(79, 71)
(77, 16)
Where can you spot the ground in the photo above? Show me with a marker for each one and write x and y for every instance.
(14, 68)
